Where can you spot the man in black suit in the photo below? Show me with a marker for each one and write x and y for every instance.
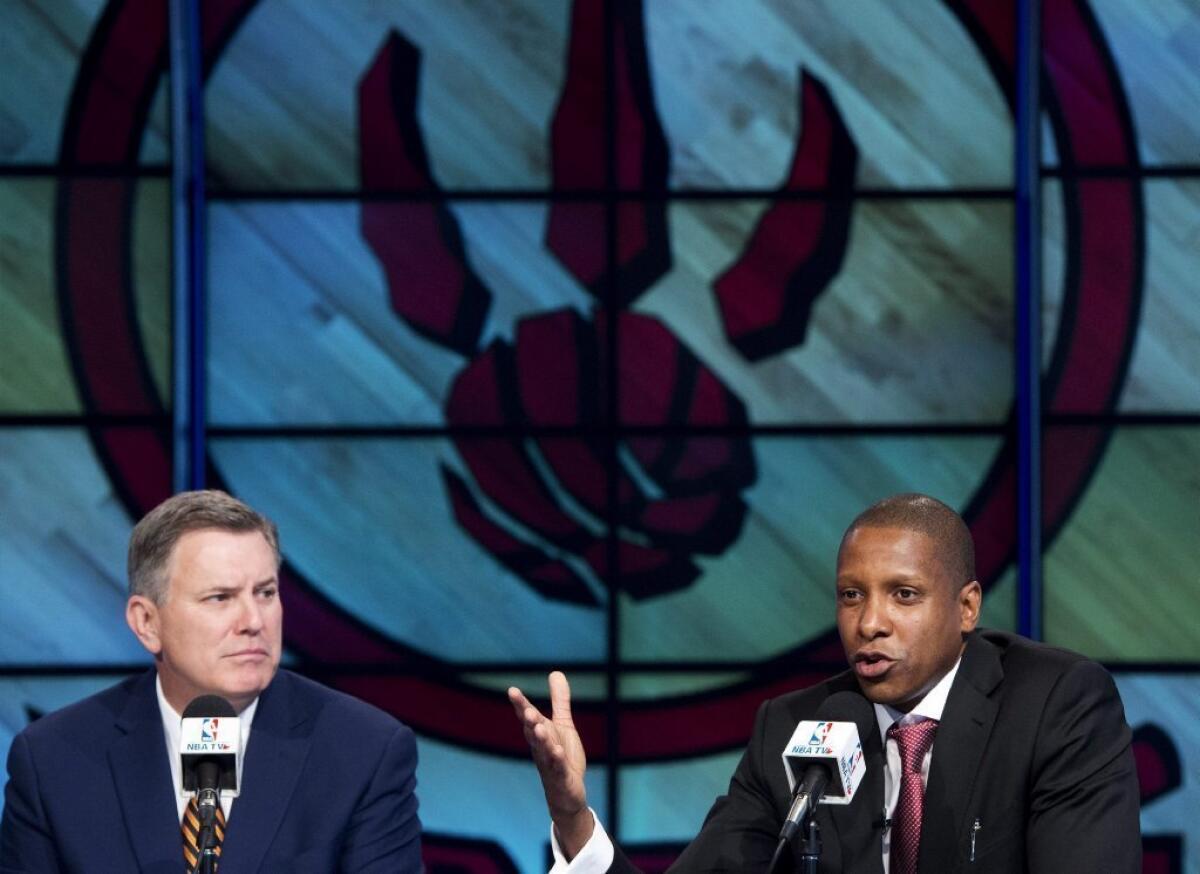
(1026, 763)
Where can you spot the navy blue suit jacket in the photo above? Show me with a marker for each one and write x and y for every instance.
(327, 785)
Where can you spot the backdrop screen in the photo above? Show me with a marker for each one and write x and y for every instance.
(573, 333)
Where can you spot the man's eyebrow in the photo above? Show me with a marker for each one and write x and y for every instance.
(901, 579)
(222, 589)
(910, 580)
(217, 588)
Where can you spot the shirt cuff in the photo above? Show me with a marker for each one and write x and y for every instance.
(596, 857)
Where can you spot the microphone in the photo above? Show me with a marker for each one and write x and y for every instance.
(209, 744)
(209, 740)
(824, 758)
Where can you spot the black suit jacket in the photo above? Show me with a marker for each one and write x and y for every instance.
(1032, 743)
(327, 785)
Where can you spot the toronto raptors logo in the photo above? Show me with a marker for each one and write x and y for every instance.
(554, 375)
(531, 492)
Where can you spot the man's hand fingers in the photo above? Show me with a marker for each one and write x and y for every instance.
(560, 697)
(540, 733)
(527, 714)
(549, 755)
(519, 702)
(545, 737)
(556, 751)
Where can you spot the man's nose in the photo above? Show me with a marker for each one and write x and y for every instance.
(250, 620)
(874, 620)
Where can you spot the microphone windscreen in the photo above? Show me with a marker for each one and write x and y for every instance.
(831, 741)
(848, 707)
(209, 731)
(208, 705)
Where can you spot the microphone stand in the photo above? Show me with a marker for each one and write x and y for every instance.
(810, 846)
(206, 858)
(802, 817)
(206, 862)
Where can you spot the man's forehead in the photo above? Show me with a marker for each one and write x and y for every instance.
(215, 549)
(884, 538)
(898, 552)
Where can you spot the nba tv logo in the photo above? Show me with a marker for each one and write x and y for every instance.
(820, 734)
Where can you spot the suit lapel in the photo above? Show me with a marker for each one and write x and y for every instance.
(860, 824)
(962, 737)
(142, 775)
(275, 755)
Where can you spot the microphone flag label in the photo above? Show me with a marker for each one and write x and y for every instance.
(833, 744)
(210, 734)
(211, 737)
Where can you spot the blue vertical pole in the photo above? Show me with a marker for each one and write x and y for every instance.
(1028, 275)
(188, 417)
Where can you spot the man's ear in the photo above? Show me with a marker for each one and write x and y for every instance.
(970, 599)
(142, 615)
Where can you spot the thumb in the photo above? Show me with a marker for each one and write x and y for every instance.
(560, 697)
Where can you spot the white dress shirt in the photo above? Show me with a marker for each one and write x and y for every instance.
(595, 857)
(929, 707)
(597, 854)
(173, 728)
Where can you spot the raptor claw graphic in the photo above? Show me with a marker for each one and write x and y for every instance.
(419, 244)
(578, 233)
(551, 498)
(766, 297)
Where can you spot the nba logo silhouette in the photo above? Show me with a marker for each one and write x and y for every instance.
(820, 733)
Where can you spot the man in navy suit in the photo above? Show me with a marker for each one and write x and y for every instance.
(326, 782)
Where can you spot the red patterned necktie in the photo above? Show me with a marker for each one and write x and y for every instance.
(914, 741)
(191, 833)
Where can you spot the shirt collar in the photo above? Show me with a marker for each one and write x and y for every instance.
(929, 707)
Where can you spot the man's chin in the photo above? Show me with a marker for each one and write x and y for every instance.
(881, 692)
(242, 690)
(871, 693)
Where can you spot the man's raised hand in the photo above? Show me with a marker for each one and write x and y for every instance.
(561, 762)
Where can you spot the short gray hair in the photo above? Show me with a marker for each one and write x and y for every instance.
(154, 538)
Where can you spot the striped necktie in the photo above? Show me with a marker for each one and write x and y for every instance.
(914, 741)
(191, 833)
